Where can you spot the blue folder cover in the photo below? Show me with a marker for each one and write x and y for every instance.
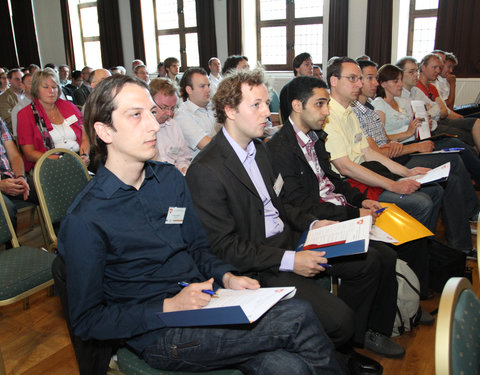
(350, 248)
(204, 317)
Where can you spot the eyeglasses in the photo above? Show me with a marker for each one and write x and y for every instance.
(353, 78)
(165, 108)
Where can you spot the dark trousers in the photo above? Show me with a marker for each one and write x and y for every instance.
(369, 286)
(459, 201)
(11, 199)
(367, 296)
(288, 339)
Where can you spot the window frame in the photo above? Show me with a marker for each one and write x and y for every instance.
(289, 22)
(181, 31)
(413, 14)
(84, 39)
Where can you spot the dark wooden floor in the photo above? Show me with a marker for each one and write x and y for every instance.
(36, 342)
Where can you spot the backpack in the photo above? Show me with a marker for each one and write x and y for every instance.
(408, 299)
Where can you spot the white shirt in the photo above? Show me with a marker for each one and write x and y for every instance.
(443, 87)
(171, 145)
(214, 82)
(195, 122)
(63, 136)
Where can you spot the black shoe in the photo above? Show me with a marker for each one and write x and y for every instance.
(383, 345)
(426, 319)
(429, 294)
(360, 365)
(471, 254)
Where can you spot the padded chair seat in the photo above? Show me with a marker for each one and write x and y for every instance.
(23, 268)
(131, 364)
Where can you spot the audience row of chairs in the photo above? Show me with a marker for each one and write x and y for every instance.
(24, 270)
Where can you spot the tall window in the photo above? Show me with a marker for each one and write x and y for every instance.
(422, 27)
(170, 30)
(287, 28)
(85, 33)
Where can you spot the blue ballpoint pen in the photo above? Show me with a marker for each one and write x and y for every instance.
(325, 265)
(454, 149)
(381, 210)
(206, 291)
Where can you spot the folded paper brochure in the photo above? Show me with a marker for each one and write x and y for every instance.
(339, 239)
(231, 307)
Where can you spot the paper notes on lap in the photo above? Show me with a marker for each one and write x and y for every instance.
(231, 307)
(339, 239)
(440, 173)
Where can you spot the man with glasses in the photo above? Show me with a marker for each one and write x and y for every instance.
(171, 146)
(195, 115)
(11, 96)
(352, 156)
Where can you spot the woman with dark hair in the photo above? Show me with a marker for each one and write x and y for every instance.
(394, 111)
(49, 122)
(235, 62)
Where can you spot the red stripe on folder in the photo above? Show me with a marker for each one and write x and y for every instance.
(313, 246)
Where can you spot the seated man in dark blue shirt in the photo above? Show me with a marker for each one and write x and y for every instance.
(124, 260)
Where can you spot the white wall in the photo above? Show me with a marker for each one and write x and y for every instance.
(357, 25)
(48, 22)
(220, 7)
(127, 38)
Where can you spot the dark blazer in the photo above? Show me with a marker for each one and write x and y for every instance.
(232, 212)
(81, 94)
(300, 182)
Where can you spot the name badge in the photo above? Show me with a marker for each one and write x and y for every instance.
(277, 188)
(71, 120)
(358, 137)
(175, 215)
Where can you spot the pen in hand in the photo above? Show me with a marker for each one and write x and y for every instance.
(380, 210)
(206, 291)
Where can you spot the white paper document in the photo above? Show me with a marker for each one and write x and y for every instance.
(435, 174)
(423, 131)
(339, 233)
(377, 234)
(254, 302)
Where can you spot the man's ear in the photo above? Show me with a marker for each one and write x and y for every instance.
(189, 90)
(104, 132)
(297, 106)
(230, 112)
(333, 81)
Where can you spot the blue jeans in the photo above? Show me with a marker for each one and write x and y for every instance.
(423, 205)
(459, 202)
(288, 339)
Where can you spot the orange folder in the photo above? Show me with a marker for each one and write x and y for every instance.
(400, 225)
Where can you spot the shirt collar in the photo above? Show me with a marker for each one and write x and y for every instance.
(337, 107)
(111, 183)
(242, 154)
(302, 138)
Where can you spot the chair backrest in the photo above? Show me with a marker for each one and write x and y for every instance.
(58, 181)
(478, 242)
(457, 338)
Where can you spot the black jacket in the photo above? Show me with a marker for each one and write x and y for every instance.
(300, 182)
